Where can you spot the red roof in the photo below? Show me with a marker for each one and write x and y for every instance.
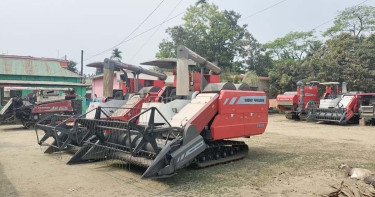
(264, 78)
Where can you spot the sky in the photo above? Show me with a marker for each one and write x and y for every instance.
(59, 28)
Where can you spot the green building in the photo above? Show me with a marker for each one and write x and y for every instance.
(26, 71)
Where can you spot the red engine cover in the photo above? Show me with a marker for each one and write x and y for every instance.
(289, 102)
(310, 94)
(240, 114)
(281, 99)
(54, 107)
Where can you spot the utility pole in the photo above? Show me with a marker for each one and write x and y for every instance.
(82, 66)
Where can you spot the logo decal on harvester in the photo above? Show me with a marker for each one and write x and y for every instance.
(191, 150)
(232, 100)
(252, 100)
(226, 101)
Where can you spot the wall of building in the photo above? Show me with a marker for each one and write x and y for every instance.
(27, 71)
(97, 86)
(39, 78)
(97, 83)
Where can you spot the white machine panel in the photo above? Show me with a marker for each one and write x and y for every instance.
(191, 109)
(92, 106)
(127, 106)
(344, 102)
(329, 103)
(109, 108)
(167, 109)
(3, 110)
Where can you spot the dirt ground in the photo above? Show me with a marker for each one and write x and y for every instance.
(290, 159)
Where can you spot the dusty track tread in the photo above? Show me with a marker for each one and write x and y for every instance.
(222, 144)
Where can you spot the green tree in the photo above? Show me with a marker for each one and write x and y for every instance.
(251, 78)
(290, 53)
(200, 2)
(294, 45)
(346, 58)
(253, 55)
(354, 20)
(72, 66)
(116, 54)
(285, 74)
(167, 49)
(209, 32)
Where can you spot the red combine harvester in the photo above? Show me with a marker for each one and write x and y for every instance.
(192, 128)
(40, 104)
(340, 106)
(295, 103)
(69, 131)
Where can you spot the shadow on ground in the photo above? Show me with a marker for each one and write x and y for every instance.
(15, 127)
(6, 187)
(252, 169)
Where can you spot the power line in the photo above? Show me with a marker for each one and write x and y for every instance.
(158, 25)
(265, 9)
(131, 38)
(109, 49)
(157, 29)
(316, 27)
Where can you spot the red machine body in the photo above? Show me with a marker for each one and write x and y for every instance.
(142, 83)
(189, 124)
(234, 114)
(295, 103)
(287, 102)
(332, 90)
(195, 78)
(137, 106)
(340, 106)
(310, 94)
(240, 114)
(54, 107)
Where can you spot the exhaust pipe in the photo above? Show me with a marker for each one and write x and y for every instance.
(344, 90)
(301, 98)
(183, 56)
(108, 71)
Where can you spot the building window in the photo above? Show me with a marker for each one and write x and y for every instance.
(5, 97)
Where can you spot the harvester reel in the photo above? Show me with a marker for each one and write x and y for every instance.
(150, 132)
(49, 129)
(54, 127)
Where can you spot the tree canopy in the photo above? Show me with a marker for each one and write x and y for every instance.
(209, 32)
(354, 20)
(72, 66)
(346, 54)
(116, 54)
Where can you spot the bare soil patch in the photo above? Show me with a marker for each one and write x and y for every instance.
(291, 158)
